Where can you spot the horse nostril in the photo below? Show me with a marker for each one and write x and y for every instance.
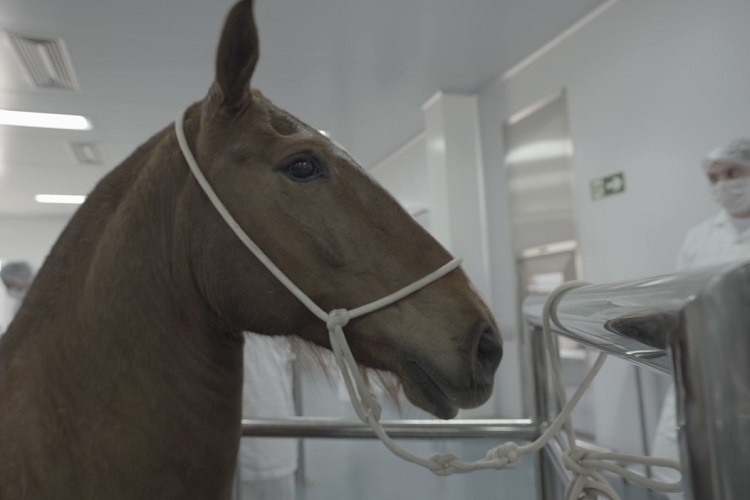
(489, 349)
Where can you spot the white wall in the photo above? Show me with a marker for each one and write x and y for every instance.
(456, 182)
(403, 174)
(652, 85)
(503, 278)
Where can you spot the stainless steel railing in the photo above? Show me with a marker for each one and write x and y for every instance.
(317, 427)
(695, 325)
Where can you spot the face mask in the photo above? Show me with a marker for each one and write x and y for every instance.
(733, 195)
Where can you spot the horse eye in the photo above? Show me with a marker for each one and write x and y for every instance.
(303, 170)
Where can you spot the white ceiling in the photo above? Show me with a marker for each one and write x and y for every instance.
(358, 69)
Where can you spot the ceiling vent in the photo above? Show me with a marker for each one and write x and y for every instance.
(46, 60)
(87, 153)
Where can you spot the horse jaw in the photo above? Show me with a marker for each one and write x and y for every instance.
(443, 362)
(423, 391)
(431, 390)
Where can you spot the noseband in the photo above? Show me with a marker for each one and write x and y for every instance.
(365, 403)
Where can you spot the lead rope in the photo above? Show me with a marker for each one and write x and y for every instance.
(583, 464)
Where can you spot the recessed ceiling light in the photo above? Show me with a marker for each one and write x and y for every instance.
(60, 198)
(87, 153)
(44, 120)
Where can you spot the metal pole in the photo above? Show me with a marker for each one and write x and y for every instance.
(712, 378)
(642, 417)
(699, 323)
(299, 475)
(237, 483)
(317, 427)
(541, 413)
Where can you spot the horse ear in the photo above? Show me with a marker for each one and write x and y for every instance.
(237, 54)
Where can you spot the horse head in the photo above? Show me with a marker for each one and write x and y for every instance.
(338, 235)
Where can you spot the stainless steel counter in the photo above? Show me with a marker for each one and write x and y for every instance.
(696, 325)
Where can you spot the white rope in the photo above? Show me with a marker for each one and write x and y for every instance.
(583, 464)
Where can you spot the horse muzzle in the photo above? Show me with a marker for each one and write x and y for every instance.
(429, 384)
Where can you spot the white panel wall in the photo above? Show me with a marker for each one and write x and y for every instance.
(503, 278)
(456, 182)
(652, 85)
(403, 174)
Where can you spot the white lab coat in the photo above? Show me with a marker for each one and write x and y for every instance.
(713, 241)
(267, 464)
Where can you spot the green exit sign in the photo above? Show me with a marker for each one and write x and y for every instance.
(607, 186)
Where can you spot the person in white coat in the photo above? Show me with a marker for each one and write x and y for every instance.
(267, 466)
(723, 238)
(17, 278)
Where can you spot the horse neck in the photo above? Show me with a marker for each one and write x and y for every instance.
(126, 332)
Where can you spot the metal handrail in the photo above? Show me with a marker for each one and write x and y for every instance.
(324, 427)
(695, 325)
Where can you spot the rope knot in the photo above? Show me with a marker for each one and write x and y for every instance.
(338, 317)
(573, 461)
(442, 464)
(506, 453)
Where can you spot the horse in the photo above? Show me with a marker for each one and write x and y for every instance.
(121, 374)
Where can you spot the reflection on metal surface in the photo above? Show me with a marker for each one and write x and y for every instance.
(626, 317)
(697, 322)
(645, 354)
